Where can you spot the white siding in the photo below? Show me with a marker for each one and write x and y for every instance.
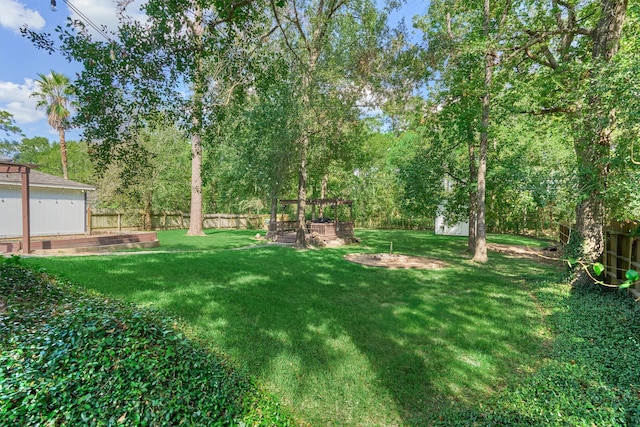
(54, 211)
(10, 211)
(458, 229)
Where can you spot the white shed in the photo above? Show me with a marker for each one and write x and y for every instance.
(57, 206)
(442, 227)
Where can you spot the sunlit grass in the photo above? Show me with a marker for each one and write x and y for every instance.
(340, 343)
(212, 240)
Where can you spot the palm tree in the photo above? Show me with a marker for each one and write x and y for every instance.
(55, 95)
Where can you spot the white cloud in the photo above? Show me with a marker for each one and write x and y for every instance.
(15, 98)
(15, 14)
(104, 13)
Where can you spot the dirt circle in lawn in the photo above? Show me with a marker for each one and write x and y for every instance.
(395, 261)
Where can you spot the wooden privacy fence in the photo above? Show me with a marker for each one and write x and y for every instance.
(102, 221)
(621, 253)
(564, 232)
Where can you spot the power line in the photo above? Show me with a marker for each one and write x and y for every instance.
(83, 17)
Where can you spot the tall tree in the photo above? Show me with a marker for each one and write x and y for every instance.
(184, 62)
(55, 95)
(197, 29)
(316, 33)
(573, 47)
(258, 136)
(469, 36)
(480, 252)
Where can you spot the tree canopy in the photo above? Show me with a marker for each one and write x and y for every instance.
(526, 109)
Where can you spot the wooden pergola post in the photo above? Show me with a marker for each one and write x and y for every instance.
(23, 170)
(26, 216)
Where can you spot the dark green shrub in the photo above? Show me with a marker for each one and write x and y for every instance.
(68, 358)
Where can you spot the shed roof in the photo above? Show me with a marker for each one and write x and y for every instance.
(41, 179)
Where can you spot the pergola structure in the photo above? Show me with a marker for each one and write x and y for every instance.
(23, 170)
(327, 229)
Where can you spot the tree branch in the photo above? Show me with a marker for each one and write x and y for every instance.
(321, 31)
(262, 39)
(553, 63)
(284, 33)
(550, 110)
(505, 13)
(229, 12)
(542, 37)
(298, 25)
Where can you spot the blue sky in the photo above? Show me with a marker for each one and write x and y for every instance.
(21, 62)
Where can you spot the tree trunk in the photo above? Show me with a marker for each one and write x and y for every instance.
(473, 196)
(196, 217)
(480, 254)
(147, 215)
(63, 152)
(593, 148)
(301, 231)
(606, 37)
(273, 218)
(323, 193)
(593, 144)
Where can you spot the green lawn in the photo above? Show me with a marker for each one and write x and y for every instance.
(340, 343)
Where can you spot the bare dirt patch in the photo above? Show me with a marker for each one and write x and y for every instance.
(539, 255)
(395, 261)
(550, 255)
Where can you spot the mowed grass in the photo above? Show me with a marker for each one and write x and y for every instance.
(340, 343)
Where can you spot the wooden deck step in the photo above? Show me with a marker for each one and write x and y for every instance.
(287, 237)
(96, 243)
(91, 241)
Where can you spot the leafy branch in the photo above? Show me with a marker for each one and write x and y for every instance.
(632, 276)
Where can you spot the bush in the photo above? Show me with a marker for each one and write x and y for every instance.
(70, 358)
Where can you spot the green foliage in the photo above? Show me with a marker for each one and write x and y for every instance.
(176, 65)
(387, 187)
(71, 358)
(7, 123)
(598, 268)
(420, 172)
(530, 178)
(11, 260)
(251, 153)
(632, 277)
(157, 182)
(589, 376)
(47, 156)
(55, 94)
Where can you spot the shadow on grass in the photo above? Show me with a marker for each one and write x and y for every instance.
(339, 343)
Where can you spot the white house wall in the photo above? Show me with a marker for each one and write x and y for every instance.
(10, 211)
(457, 229)
(54, 211)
